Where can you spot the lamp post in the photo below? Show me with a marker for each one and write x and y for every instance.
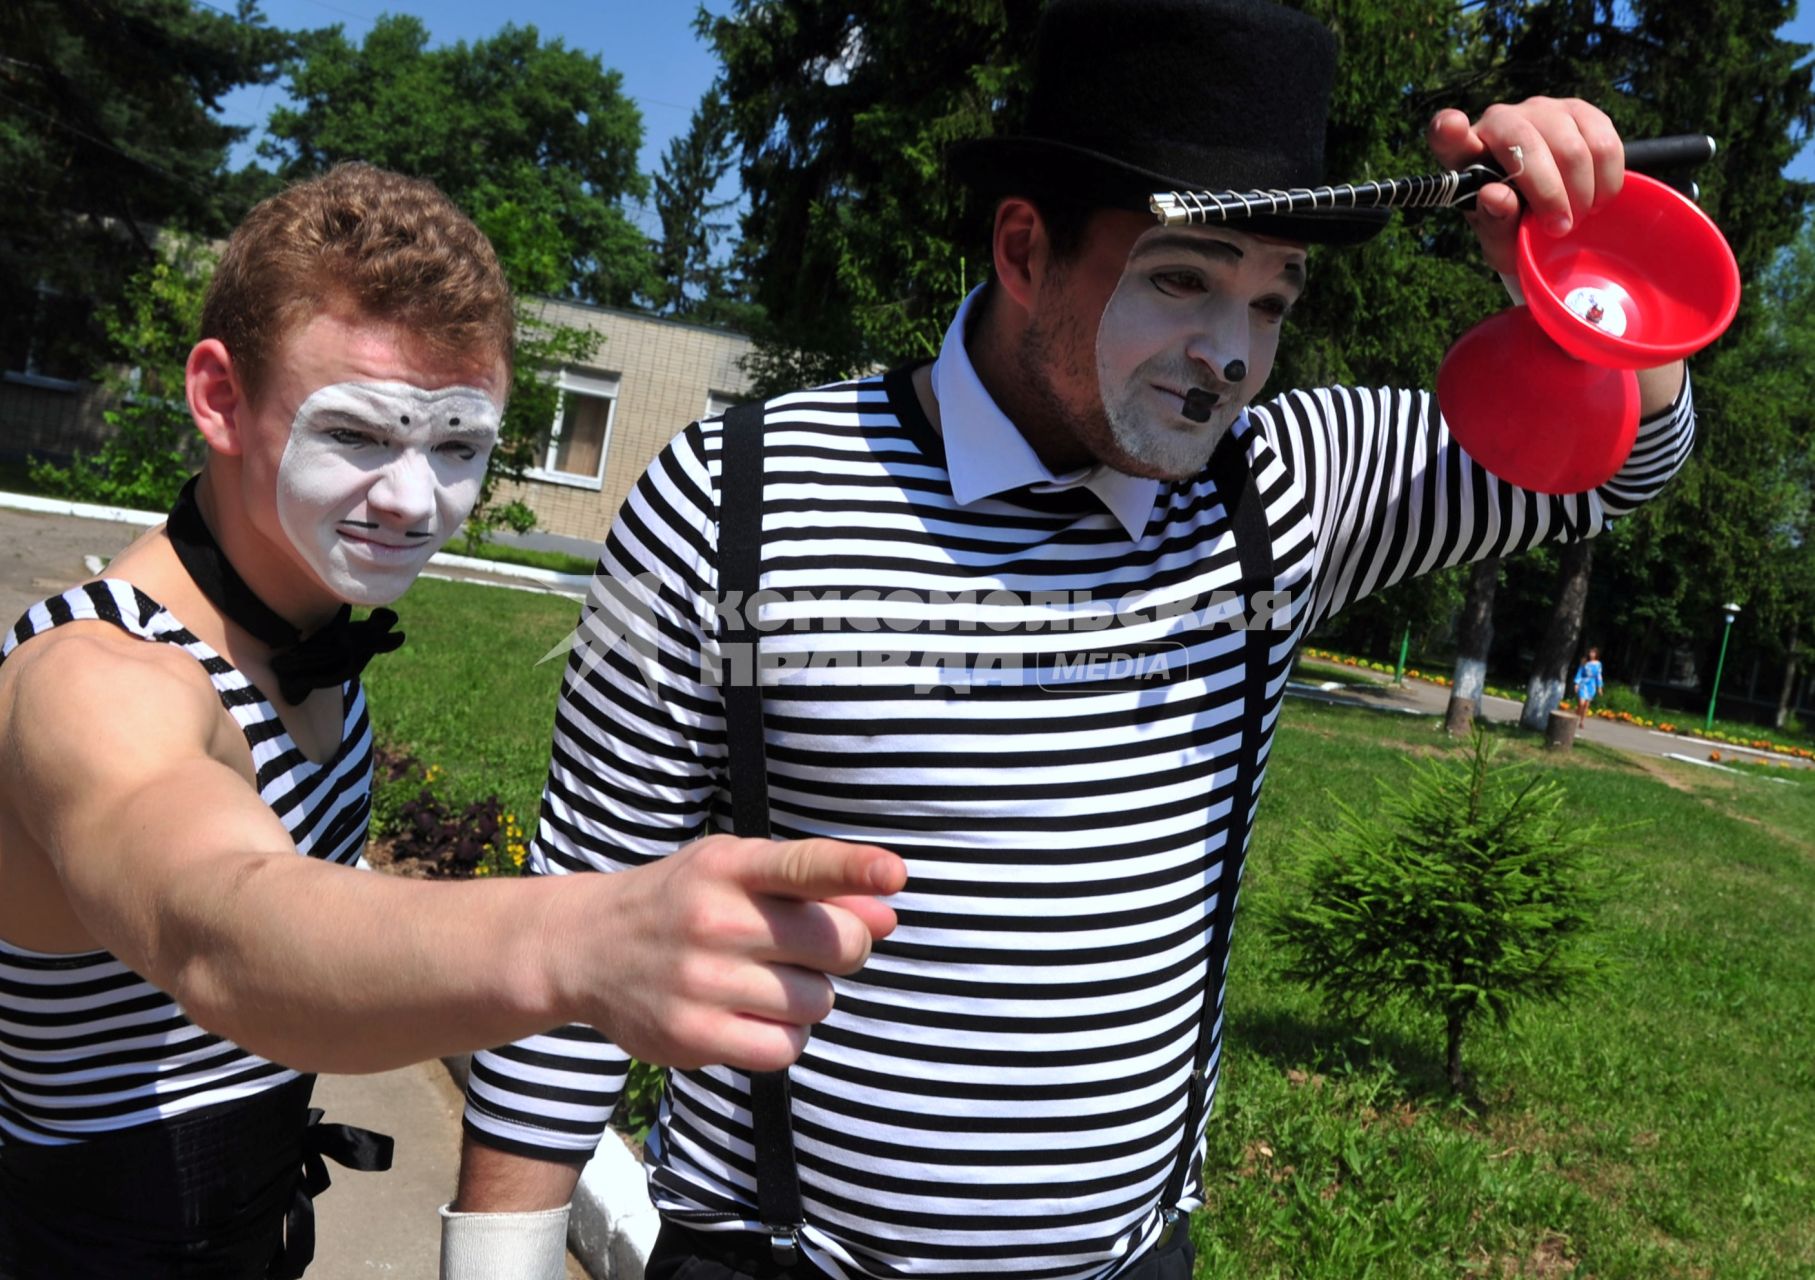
(1731, 611)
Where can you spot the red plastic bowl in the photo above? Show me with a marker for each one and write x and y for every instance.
(1533, 414)
(1653, 265)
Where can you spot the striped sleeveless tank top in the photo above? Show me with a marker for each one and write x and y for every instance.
(87, 1046)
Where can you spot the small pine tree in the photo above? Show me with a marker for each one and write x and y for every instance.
(1465, 892)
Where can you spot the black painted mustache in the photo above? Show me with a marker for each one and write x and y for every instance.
(1199, 404)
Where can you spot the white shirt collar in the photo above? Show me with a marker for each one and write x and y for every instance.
(986, 454)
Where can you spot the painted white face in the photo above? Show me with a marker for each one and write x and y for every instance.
(376, 478)
(1188, 338)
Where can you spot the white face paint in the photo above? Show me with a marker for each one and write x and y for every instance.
(1194, 321)
(376, 478)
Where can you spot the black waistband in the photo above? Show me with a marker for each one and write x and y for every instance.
(223, 1191)
(745, 1255)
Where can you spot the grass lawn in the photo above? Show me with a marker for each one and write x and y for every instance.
(558, 561)
(1661, 1127)
(466, 692)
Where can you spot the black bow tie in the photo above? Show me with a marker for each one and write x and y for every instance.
(329, 657)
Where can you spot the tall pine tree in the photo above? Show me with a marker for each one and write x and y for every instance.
(686, 278)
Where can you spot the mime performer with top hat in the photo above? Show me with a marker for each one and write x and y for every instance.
(1017, 1083)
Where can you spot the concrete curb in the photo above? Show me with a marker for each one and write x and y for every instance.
(84, 510)
(613, 1226)
(567, 583)
(572, 582)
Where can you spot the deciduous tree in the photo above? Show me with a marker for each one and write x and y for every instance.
(152, 446)
(1562, 634)
(107, 136)
(1474, 638)
(533, 139)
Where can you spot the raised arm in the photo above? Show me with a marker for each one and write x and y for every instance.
(116, 764)
(1390, 492)
(1392, 495)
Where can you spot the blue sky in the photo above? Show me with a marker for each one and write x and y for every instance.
(665, 67)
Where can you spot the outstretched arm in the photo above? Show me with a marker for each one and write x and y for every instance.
(116, 765)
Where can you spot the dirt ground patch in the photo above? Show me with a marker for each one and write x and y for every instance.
(1671, 776)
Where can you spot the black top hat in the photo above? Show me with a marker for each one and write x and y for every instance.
(1131, 97)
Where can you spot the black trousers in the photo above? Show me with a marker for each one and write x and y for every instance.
(681, 1253)
(221, 1193)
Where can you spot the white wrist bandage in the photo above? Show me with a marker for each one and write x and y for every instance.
(504, 1246)
(1512, 287)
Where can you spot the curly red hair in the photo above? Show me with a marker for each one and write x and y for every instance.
(387, 247)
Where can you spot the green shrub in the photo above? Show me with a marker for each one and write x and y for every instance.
(1463, 892)
(1619, 697)
(152, 446)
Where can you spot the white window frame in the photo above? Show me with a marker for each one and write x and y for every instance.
(602, 386)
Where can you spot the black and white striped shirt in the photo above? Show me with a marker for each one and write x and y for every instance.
(1002, 1089)
(87, 1046)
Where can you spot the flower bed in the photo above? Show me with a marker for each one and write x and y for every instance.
(1411, 673)
(418, 831)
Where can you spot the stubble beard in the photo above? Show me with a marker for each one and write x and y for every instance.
(1121, 436)
(1157, 448)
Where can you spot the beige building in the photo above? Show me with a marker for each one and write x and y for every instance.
(648, 379)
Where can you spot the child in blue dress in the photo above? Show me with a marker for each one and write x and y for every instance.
(1588, 683)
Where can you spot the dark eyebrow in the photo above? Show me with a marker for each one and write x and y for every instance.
(1210, 247)
(385, 428)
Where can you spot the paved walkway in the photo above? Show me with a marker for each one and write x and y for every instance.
(1419, 697)
(385, 1224)
(41, 555)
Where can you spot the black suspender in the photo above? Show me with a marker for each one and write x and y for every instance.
(740, 558)
(740, 570)
(1240, 497)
